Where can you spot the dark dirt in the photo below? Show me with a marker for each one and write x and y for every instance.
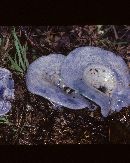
(34, 120)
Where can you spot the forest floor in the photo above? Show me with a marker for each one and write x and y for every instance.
(32, 119)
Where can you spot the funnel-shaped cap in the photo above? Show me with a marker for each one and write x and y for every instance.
(97, 74)
(43, 78)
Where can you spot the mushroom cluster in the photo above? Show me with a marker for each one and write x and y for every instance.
(86, 75)
(6, 90)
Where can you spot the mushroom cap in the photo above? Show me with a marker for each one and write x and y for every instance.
(6, 90)
(89, 70)
(43, 78)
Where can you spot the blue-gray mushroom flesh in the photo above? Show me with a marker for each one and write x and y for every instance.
(43, 78)
(6, 91)
(99, 75)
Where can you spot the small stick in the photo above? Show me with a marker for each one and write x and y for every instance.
(114, 29)
(7, 44)
(124, 34)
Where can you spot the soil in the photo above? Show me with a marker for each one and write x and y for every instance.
(33, 120)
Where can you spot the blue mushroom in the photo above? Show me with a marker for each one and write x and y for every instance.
(99, 75)
(6, 91)
(43, 78)
(94, 75)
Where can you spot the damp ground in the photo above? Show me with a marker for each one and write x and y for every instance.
(34, 120)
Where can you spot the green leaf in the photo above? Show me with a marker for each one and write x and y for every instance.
(24, 55)
(15, 65)
(23, 61)
(20, 62)
(19, 55)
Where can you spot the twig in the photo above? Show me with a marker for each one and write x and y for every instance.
(115, 32)
(7, 44)
(124, 34)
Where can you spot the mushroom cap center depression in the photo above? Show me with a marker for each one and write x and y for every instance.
(101, 78)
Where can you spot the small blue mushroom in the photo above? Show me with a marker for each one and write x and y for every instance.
(99, 75)
(6, 90)
(43, 78)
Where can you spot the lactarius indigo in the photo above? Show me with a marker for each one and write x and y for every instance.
(43, 78)
(6, 90)
(100, 76)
